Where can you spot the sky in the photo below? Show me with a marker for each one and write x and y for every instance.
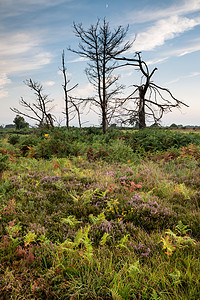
(34, 33)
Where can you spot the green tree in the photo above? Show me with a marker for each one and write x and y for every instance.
(20, 122)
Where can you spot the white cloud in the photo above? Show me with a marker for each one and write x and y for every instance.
(49, 83)
(16, 43)
(86, 91)
(188, 50)
(157, 61)
(163, 30)
(153, 13)
(11, 8)
(80, 59)
(21, 64)
(4, 80)
(21, 52)
(191, 75)
(192, 46)
(69, 75)
(128, 74)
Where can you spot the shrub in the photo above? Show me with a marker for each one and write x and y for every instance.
(152, 140)
(27, 142)
(4, 158)
(149, 212)
(119, 151)
(13, 139)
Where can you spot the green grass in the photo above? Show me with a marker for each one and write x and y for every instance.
(96, 226)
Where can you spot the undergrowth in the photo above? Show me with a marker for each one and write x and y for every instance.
(85, 220)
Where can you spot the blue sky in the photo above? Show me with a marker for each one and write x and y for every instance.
(34, 33)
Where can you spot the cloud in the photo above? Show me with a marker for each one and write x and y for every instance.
(11, 8)
(69, 75)
(188, 50)
(192, 46)
(80, 59)
(128, 74)
(16, 43)
(4, 80)
(20, 52)
(49, 83)
(153, 13)
(84, 92)
(191, 75)
(157, 61)
(163, 30)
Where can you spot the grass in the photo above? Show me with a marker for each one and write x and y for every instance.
(82, 227)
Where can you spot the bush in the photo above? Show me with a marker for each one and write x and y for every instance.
(153, 140)
(119, 151)
(3, 161)
(27, 142)
(13, 139)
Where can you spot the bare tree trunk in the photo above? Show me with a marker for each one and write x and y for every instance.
(77, 108)
(66, 90)
(152, 100)
(141, 114)
(104, 121)
(99, 44)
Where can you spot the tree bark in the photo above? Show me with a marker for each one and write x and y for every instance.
(141, 114)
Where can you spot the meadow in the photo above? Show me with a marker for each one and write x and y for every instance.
(91, 216)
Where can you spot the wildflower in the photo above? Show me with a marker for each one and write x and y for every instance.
(46, 136)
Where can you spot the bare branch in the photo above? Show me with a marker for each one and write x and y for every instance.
(38, 110)
(99, 44)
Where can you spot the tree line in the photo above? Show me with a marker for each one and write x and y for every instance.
(105, 51)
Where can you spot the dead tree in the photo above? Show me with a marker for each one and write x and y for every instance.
(66, 90)
(39, 110)
(77, 106)
(99, 45)
(150, 99)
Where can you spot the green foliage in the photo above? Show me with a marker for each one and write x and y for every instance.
(13, 139)
(98, 228)
(104, 239)
(115, 145)
(4, 159)
(172, 241)
(26, 143)
(152, 140)
(30, 237)
(20, 122)
(119, 151)
(71, 220)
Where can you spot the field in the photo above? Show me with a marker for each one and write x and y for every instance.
(91, 216)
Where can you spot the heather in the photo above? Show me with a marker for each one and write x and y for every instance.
(91, 216)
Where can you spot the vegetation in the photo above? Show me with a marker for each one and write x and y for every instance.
(20, 122)
(86, 215)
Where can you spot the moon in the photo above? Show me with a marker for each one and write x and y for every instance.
(106, 5)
